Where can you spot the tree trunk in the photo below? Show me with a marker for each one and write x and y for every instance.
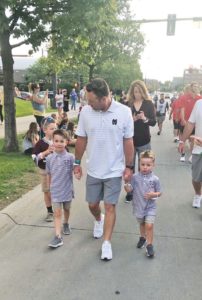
(11, 142)
(91, 69)
(54, 83)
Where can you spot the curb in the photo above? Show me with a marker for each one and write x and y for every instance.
(20, 211)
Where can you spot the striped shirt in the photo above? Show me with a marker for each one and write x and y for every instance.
(105, 131)
(60, 167)
(143, 184)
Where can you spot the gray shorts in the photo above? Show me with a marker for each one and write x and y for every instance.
(107, 189)
(197, 167)
(66, 205)
(146, 219)
(160, 119)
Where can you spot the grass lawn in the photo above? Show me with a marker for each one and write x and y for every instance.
(18, 175)
(24, 108)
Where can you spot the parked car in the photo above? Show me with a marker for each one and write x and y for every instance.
(50, 94)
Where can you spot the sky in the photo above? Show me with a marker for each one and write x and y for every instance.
(165, 57)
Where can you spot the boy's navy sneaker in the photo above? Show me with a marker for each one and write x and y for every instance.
(129, 198)
(150, 251)
(56, 242)
(141, 243)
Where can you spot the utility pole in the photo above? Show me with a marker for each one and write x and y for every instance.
(171, 21)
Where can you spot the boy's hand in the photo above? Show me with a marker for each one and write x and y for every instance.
(150, 195)
(128, 187)
(50, 149)
(77, 172)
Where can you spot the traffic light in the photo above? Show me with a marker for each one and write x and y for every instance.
(171, 24)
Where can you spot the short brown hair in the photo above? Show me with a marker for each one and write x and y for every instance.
(61, 133)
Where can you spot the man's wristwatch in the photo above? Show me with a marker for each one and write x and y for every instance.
(130, 167)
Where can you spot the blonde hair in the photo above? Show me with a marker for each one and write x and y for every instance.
(148, 154)
(142, 88)
(47, 121)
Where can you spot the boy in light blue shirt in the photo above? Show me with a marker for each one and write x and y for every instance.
(146, 189)
(59, 168)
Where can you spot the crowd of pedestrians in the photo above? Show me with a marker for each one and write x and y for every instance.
(115, 135)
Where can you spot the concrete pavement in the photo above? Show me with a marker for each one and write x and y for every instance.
(29, 270)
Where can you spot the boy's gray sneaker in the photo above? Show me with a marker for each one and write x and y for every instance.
(66, 229)
(141, 243)
(49, 217)
(56, 242)
(150, 250)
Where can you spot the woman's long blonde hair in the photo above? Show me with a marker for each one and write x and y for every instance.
(142, 88)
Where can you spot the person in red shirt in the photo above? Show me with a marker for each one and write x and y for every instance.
(186, 104)
(175, 115)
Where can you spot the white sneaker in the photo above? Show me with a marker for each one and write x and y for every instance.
(182, 158)
(197, 201)
(98, 228)
(190, 159)
(106, 251)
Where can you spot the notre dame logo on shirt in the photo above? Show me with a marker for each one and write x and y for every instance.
(114, 122)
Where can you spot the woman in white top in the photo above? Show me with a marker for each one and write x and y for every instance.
(59, 101)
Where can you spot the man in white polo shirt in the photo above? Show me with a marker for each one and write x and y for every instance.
(195, 121)
(105, 131)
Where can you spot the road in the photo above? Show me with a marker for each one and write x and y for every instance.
(29, 270)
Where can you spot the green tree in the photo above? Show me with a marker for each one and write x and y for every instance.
(99, 34)
(121, 72)
(27, 22)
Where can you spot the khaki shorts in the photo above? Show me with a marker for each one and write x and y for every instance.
(146, 219)
(44, 181)
(197, 167)
(66, 205)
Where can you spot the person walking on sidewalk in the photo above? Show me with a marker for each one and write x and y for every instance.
(74, 97)
(41, 150)
(195, 121)
(59, 168)
(161, 108)
(105, 131)
(146, 189)
(143, 112)
(187, 102)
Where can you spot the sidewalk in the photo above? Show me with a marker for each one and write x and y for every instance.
(22, 123)
(29, 270)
